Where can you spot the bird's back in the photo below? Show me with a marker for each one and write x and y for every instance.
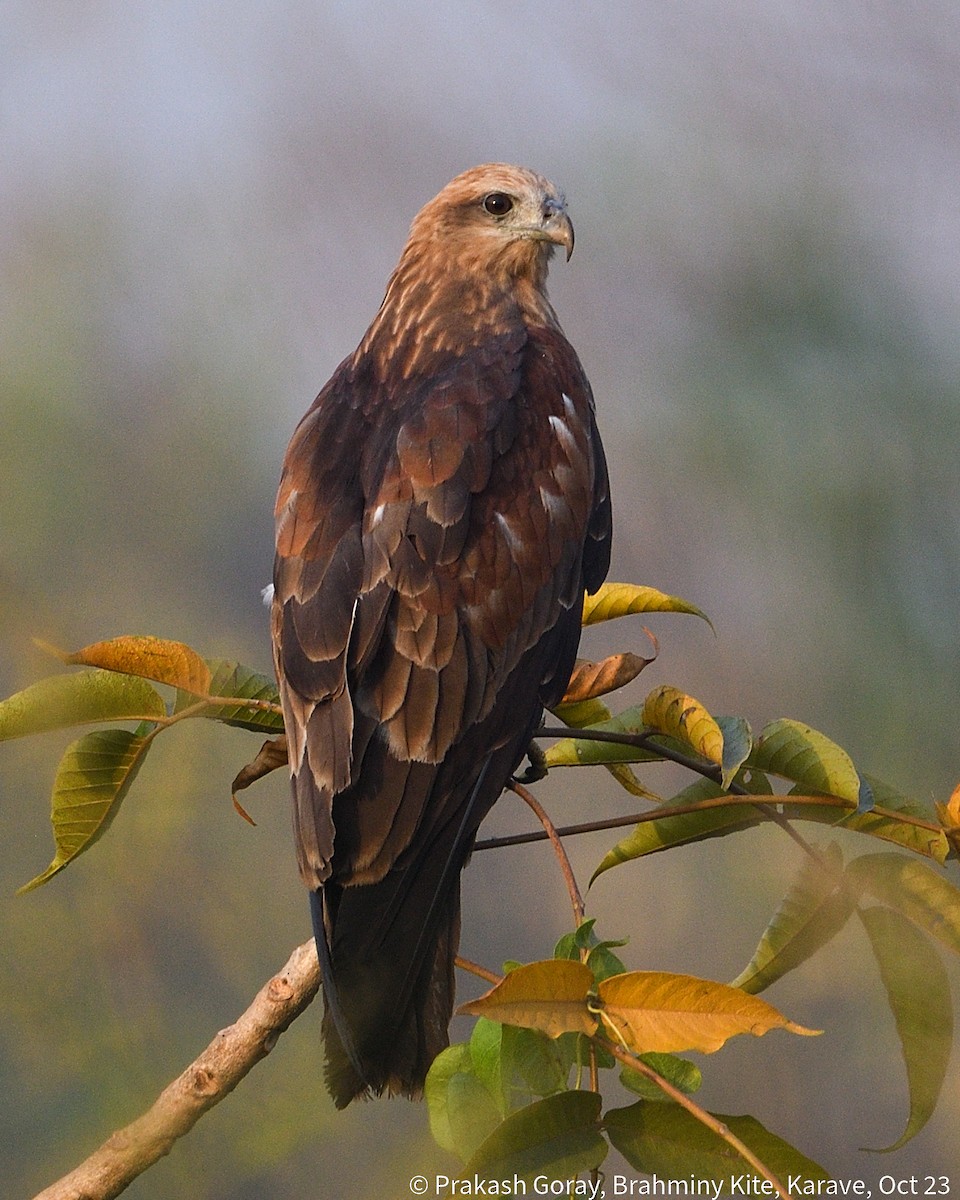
(441, 511)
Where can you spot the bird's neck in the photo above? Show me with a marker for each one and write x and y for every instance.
(436, 312)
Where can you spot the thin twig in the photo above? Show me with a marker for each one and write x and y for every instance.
(230, 1056)
(465, 964)
(714, 773)
(680, 810)
(640, 741)
(533, 803)
(706, 1118)
(573, 888)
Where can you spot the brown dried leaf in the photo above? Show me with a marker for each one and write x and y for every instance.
(272, 754)
(592, 679)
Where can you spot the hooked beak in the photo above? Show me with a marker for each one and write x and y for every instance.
(557, 226)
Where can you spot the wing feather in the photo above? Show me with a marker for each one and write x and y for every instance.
(428, 539)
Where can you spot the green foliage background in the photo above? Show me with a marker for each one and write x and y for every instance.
(201, 209)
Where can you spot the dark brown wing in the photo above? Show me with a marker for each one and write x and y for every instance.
(434, 540)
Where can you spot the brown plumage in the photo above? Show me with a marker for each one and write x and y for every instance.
(442, 508)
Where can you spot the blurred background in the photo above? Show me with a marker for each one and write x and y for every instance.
(201, 205)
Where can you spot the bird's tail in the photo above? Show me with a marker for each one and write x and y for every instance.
(388, 976)
(387, 953)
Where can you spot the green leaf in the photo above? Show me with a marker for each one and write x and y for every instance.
(660, 830)
(600, 957)
(452, 1061)
(669, 710)
(657, 832)
(949, 816)
(550, 996)
(796, 752)
(931, 843)
(667, 1141)
(581, 938)
(914, 889)
(148, 657)
(581, 713)
(685, 1076)
(511, 1061)
(815, 908)
(594, 712)
(233, 679)
(558, 1137)
(657, 1011)
(603, 962)
(918, 991)
(534, 1060)
(917, 838)
(613, 600)
(487, 1059)
(92, 780)
(462, 1112)
(60, 701)
(577, 752)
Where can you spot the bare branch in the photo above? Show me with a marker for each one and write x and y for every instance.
(230, 1056)
(566, 870)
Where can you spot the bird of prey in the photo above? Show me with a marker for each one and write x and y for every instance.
(442, 508)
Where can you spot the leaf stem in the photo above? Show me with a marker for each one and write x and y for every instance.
(203, 702)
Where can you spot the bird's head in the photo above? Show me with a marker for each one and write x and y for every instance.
(475, 261)
(497, 217)
(497, 206)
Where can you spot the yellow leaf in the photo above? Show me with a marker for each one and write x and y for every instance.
(656, 1011)
(613, 600)
(949, 815)
(149, 657)
(582, 713)
(807, 757)
(953, 806)
(550, 996)
(668, 710)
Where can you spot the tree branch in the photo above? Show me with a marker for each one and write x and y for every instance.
(566, 870)
(230, 1056)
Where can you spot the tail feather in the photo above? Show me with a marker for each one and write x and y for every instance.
(333, 1010)
(378, 1038)
(389, 947)
(388, 953)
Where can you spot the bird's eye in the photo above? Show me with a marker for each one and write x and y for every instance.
(497, 204)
